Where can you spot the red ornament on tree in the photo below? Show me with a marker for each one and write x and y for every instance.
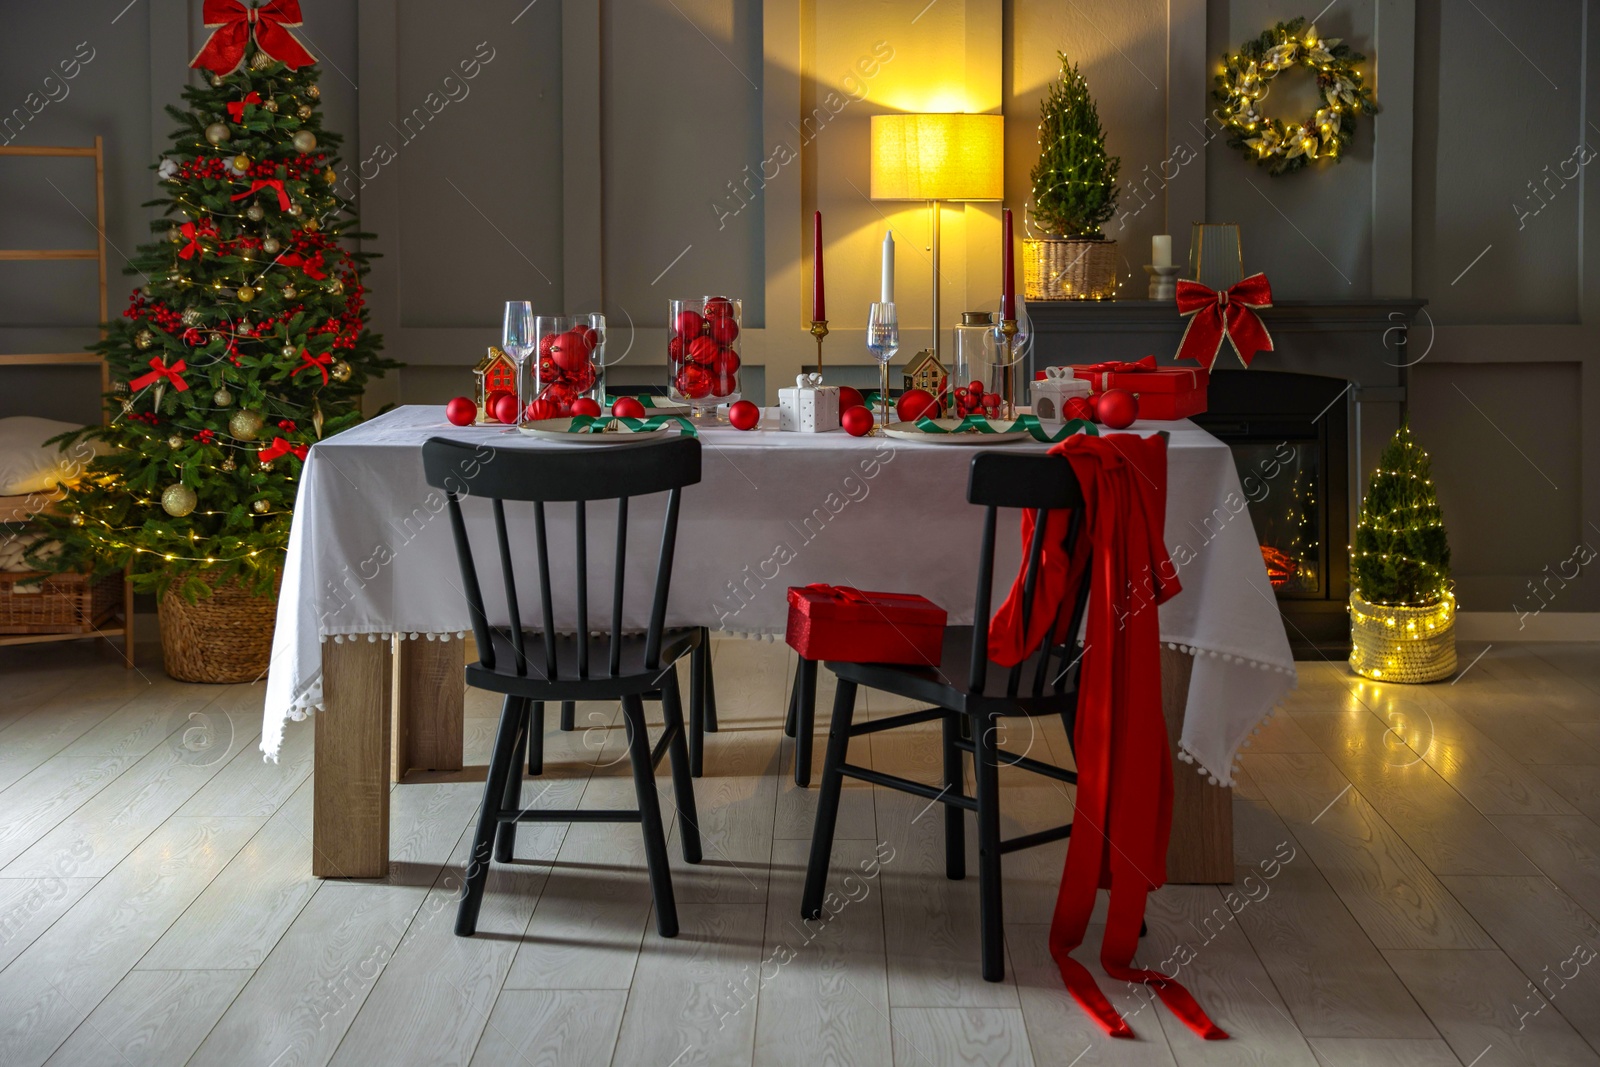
(744, 415)
(857, 422)
(626, 407)
(1117, 408)
(460, 411)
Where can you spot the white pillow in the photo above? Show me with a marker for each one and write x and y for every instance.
(27, 465)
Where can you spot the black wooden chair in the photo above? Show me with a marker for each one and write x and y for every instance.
(1046, 683)
(531, 666)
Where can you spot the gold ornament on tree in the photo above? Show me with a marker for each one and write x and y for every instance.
(255, 213)
(217, 133)
(303, 111)
(290, 292)
(340, 371)
(144, 338)
(260, 61)
(174, 441)
(191, 316)
(260, 506)
(270, 106)
(246, 424)
(270, 245)
(178, 500)
(312, 225)
(304, 140)
(228, 464)
(222, 398)
(313, 92)
(246, 294)
(241, 162)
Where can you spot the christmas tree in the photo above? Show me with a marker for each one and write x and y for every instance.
(247, 341)
(1401, 555)
(1074, 182)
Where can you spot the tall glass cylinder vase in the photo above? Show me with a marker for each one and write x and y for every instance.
(983, 376)
(703, 352)
(560, 369)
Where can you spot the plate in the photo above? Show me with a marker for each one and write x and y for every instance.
(909, 431)
(561, 430)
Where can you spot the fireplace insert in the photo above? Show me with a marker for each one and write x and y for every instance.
(1290, 435)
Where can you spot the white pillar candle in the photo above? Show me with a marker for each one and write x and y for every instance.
(1161, 250)
(888, 268)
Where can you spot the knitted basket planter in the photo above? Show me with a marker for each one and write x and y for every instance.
(1390, 643)
(223, 638)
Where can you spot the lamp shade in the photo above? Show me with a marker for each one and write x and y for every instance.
(938, 157)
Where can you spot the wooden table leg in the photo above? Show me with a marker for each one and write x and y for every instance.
(1201, 849)
(429, 704)
(350, 784)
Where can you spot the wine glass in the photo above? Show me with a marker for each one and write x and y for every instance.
(883, 341)
(518, 341)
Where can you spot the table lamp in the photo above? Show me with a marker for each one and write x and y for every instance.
(937, 157)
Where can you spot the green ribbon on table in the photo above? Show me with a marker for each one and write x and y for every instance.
(1028, 424)
(598, 423)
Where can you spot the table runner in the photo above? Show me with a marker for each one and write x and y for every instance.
(370, 553)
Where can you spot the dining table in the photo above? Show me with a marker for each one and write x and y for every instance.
(372, 625)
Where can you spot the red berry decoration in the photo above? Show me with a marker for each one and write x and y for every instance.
(505, 408)
(693, 382)
(626, 407)
(460, 411)
(586, 405)
(857, 422)
(915, 403)
(724, 330)
(849, 398)
(703, 350)
(1078, 407)
(744, 415)
(719, 307)
(689, 324)
(1117, 408)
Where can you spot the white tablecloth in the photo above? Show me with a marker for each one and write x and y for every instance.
(371, 553)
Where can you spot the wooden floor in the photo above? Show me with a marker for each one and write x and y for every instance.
(1419, 878)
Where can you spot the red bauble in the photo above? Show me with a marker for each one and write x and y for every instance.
(626, 407)
(460, 411)
(724, 329)
(703, 350)
(586, 405)
(724, 384)
(539, 410)
(544, 344)
(744, 415)
(849, 398)
(1078, 407)
(693, 382)
(719, 307)
(725, 362)
(569, 351)
(493, 398)
(915, 403)
(588, 335)
(504, 408)
(582, 379)
(675, 349)
(1117, 408)
(975, 388)
(857, 422)
(689, 324)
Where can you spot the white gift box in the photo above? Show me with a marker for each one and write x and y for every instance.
(810, 406)
(1051, 392)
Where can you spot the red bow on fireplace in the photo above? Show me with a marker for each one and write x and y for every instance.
(280, 447)
(234, 22)
(1230, 313)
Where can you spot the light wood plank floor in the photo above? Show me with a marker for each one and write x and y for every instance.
(1418, 884)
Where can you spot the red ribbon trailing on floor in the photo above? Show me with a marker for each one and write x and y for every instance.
(1122, 816)
(236, 107)
(233, 23)
(281, 447)
(1230, 313)
(321, 361)
(158, 371)
(266, 183)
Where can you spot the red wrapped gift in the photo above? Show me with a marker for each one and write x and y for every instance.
(1163, 392)
(850, 625)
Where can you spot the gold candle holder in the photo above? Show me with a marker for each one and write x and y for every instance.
(1008, 372)
(819, 330)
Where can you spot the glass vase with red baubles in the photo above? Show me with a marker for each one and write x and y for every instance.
(703, 352)
(568, 368)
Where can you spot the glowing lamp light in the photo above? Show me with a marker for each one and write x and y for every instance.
(937, 157)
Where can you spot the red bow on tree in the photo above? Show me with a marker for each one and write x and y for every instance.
(280, 447)
(234, 23)
(194, 233)
(266, 183)
(236, 107)
(312, 267)
(320, 361)
(1230, 313)
(158, 371)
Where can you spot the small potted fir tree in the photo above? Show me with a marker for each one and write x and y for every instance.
(1074, 193)
(1402, 612)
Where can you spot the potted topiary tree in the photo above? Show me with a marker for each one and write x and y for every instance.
(1402, 612)
(1074, 192)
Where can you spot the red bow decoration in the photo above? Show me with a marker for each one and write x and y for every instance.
(280, 447)
(158, 371)
(266, 183)
(1230, 313)
(320, 362)
(312, 267)
(1100, 373)
(236, 107)
(194, 233)
(234, 23)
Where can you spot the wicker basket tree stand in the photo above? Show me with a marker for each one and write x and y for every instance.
(1069, 268)
(223, 638)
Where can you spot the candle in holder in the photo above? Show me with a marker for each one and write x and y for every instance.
(1161, 250)
(887, 294)
(1008, 280)
(819, 309)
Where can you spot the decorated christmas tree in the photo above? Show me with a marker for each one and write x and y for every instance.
(247, 341)
(1074, 182)
(1401, 555)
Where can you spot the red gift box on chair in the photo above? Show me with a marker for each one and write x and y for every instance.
(839, 622)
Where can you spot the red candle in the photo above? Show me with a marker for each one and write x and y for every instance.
(819, 307)
(1008, 272)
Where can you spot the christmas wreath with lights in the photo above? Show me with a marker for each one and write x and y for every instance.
(1280, 145)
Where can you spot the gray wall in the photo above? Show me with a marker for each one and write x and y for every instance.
(614, 153)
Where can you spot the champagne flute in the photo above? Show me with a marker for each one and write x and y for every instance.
(518, 341)
(883, 341)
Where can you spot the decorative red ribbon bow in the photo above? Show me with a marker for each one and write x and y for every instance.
(1230, 313)
(838, 592)
(280, 447)
(158, 371)
(312, 267)
(234, 22)
(266, 183)
(194, 233)
(236, 107)
(1100, 373)
(320, 362)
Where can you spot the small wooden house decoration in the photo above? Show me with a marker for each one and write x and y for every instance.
(495, 372)
(924, 371)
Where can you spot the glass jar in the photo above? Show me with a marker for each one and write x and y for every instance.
(703, 352)
(565, 369)
(983, 376)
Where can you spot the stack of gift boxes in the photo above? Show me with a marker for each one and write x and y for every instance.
(1163, 393)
